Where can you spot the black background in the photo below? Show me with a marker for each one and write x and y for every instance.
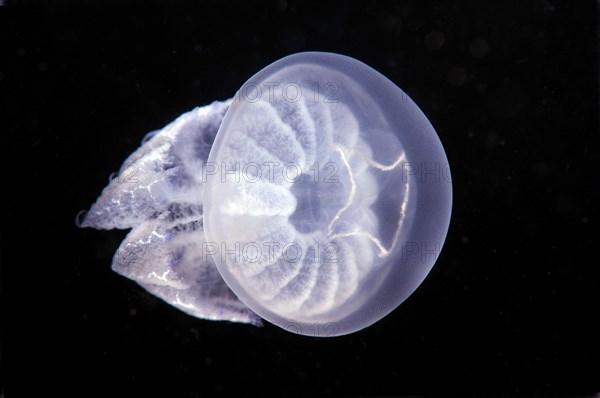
(511, 306)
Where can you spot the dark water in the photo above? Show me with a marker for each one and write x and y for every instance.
(511, 306)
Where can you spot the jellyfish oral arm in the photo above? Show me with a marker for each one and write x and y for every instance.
(158, 194)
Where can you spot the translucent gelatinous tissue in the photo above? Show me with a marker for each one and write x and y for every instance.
(322, 204)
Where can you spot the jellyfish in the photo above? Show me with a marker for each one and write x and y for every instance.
(318, 198)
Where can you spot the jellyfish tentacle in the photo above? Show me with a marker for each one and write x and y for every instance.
(400, 160)
(351, 194)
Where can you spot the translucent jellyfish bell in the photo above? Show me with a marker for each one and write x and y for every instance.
(327, 195)
(318, 198)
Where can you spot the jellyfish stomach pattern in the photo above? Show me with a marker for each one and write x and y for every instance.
(294, 206)
(317, 198)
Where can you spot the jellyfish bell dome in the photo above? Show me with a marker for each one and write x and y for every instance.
(327, 195)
